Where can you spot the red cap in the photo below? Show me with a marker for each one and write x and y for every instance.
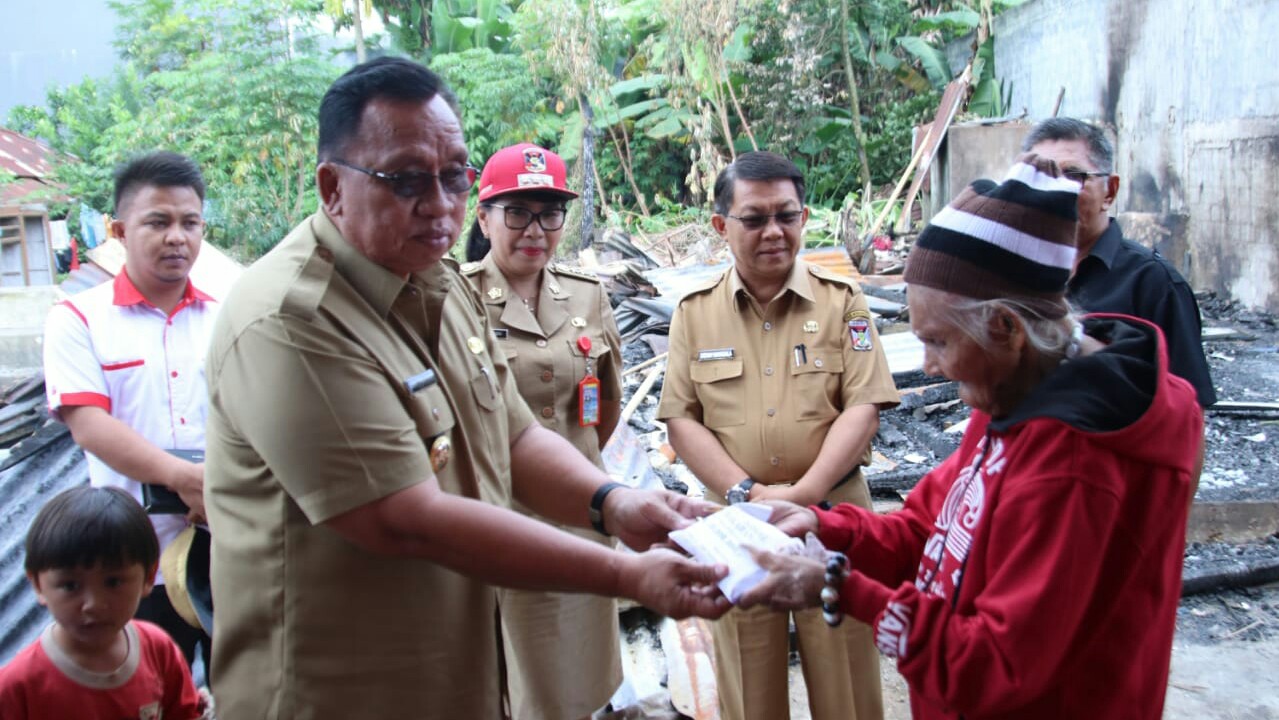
(524, 168)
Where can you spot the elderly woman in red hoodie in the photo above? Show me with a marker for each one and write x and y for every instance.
(1035, 573)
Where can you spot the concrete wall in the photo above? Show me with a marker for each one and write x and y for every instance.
(1191, 91)
(22, 315)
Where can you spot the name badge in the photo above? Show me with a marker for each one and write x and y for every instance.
(421, 380)
(718, 354)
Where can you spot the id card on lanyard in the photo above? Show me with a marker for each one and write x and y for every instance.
(588, 390)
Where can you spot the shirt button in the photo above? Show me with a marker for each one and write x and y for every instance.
(817, 362)
(175, 373)
(775, 461)
(547, 375)
(182, 420)
(170, 322)
(540, 343)
(771, 412)
(768, 371)
(768, 326)
(548, 412)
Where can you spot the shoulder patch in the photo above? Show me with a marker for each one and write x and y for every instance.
(578, 273)
(822, 273)
(307, 290)
(706, 286)
(470, 268)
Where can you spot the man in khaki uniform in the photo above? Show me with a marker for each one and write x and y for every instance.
(772, 391)
(365, 439)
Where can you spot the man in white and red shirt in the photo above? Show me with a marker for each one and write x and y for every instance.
(124, 362)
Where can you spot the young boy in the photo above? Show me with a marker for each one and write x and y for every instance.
(91, 558)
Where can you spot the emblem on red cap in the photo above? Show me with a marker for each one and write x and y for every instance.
(534, 160)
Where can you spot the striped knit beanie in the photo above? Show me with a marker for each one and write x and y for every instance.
(1014, 240)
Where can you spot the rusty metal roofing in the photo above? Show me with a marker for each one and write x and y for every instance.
(29, 160)
(23, 156)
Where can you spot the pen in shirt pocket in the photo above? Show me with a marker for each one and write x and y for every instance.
(801, 355)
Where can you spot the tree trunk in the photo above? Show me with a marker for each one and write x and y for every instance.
(588, 170)
(360, 53)
(854, 103)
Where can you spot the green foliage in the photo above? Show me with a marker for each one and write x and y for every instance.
(989, 98)
(500, 104)
(932, 58)
(672, 89)
(234, 85)
(460, 25)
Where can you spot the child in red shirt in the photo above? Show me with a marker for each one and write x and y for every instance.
(91, 558)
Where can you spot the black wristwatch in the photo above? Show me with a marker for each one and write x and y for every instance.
(596, 511)
(741, 492)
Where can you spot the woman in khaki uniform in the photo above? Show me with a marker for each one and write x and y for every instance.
(563, 347)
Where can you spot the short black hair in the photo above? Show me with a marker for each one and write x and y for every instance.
(1100, 152)
(159, 168)
(477, 243)
(385, 77)
(760, 165)
(87, 526)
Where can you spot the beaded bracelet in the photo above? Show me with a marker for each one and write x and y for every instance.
(836, 573)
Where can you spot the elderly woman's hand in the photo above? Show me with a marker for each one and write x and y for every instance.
(794, 520)
(794, 582)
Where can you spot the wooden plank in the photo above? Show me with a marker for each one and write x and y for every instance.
(641, 392)
(1239, 407)
(690, 667)
(951, 98)
(26, 263)
(1223, 333)
(1233, 522)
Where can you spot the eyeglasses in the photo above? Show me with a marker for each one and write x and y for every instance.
(756, 222)
(455, 181)
(518, 218)
(1081, 176)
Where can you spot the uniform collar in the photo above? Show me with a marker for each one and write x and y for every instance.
(124, 293)
(1107, 246)
(798, 282)
(550, 312)
(377, 285)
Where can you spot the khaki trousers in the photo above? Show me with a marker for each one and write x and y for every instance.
(841, 665)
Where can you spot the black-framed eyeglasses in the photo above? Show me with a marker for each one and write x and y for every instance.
(756, 222)
(1081, 176)
(455, 181)
(518, 218)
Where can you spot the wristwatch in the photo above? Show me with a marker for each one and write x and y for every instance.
(596, 510)
(741, 492)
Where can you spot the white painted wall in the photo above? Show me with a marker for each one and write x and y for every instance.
(1191, 88)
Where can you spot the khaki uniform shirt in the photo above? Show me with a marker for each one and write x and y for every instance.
(542, 351)
(739, 368)
(312, 415)
(562, 650)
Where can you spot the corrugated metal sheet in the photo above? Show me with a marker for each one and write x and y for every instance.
(54, 464)
(26, 158)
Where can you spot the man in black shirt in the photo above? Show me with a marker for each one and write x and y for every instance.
(1112, 273)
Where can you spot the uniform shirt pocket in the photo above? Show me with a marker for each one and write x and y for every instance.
(430, 411)
(599, 351)
(816, 385)
(721, 392)
(484, 388)
(125, 377)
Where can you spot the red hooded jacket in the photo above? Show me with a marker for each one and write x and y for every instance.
(1036, 572)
